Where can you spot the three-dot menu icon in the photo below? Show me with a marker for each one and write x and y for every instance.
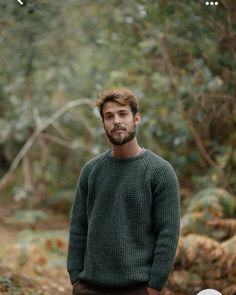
(212, 3)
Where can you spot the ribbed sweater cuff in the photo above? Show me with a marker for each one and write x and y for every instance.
(74, 277)
(156, 282)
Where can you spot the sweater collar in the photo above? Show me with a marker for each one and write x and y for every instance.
(124, 160)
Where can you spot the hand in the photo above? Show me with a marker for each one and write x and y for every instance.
(152, 291)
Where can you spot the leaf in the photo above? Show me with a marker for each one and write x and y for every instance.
(199, 253)
(227, 227)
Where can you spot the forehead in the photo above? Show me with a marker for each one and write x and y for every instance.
(113, 107)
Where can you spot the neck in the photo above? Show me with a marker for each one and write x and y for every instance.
(127, 150)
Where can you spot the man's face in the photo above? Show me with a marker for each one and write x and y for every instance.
(119, 122)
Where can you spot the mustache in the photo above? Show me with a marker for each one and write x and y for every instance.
(116, 128)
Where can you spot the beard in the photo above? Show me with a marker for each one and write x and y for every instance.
(121, 138)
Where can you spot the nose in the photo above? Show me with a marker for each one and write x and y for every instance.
(117, 120)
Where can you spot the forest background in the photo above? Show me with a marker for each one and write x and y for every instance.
(55, 57)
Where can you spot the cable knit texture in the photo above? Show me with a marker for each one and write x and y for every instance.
(125, 221)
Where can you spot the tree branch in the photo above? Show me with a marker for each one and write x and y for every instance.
(57, 140)
(198, 139)
(26, 147)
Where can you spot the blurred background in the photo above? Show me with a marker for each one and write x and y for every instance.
(178, 57)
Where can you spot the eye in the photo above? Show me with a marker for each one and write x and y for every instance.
(108, 117)
(122, 114)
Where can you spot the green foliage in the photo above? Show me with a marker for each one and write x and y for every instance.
(8, 286)
(210, 212)
(214, 202)
(60, 201)
(178, 57)
(14, 283)
(26, 216)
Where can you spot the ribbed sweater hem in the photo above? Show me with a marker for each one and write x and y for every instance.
(156, 283)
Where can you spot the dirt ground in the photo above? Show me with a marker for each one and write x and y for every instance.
(33, 257)
(33, 260)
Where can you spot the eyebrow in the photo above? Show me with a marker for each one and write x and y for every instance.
(119, 111)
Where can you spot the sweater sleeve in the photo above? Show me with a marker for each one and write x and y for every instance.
(166, 220)
(78, 230)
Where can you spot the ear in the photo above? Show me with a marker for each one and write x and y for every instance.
(137, 118)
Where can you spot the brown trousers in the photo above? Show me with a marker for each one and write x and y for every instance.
(85, 289)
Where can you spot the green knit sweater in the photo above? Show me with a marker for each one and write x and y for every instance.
(125, 221)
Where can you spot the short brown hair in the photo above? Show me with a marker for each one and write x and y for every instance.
(123, 96)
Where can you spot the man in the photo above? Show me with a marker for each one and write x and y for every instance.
(125, 218)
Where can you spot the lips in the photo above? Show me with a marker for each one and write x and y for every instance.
(118, 130)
